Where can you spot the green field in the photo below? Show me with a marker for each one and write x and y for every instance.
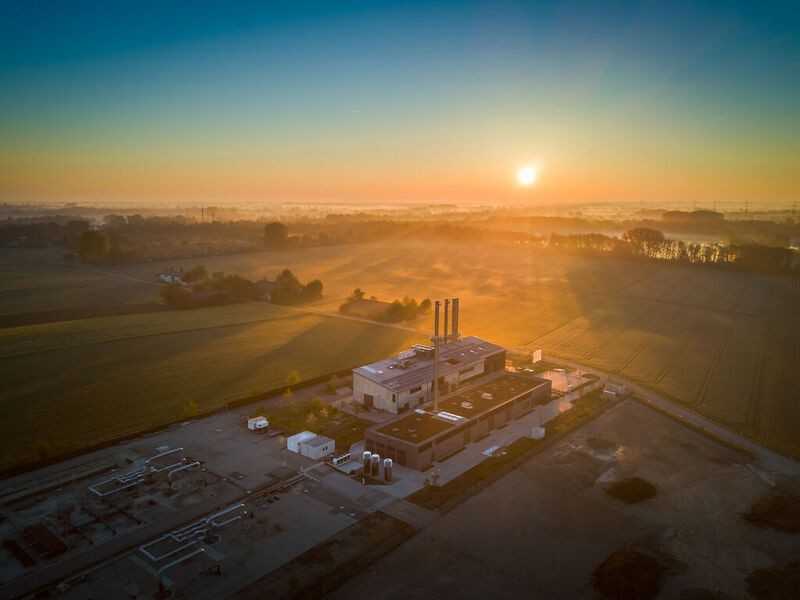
(727, 344)
(121, 376)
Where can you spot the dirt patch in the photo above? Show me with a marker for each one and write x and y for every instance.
(323, 568)
(601, 445)
(628, 574)
(775, 583)
(702, 594)
(632, 490)
(776, 511)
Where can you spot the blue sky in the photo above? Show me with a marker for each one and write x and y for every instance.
(399, 99)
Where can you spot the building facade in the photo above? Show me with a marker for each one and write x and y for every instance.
(405, 382)
(420, 438)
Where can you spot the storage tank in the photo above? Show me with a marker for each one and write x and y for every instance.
(366, 461)
(375, 471)
(387, 469)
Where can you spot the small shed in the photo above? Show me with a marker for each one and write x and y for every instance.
(293, 442)
(318, 447)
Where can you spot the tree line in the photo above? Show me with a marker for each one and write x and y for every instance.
(199, 289)
(651, 244)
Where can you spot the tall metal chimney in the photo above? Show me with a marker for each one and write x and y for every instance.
(446, 317)
(455, 318)
(435, 382)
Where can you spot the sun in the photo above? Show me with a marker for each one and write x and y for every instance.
(527, 175)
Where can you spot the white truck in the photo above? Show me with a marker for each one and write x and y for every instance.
(258, 424)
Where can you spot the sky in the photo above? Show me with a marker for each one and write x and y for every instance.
(258, 102)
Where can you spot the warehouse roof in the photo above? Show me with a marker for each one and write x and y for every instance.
(410, 369)
(483, 398)
(459, 408)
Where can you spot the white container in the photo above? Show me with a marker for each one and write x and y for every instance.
(293, 442)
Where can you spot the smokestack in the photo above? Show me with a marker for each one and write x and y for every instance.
(455, 318)
(436, 319)
(446, 317)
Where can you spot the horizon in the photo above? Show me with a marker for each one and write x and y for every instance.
(382, 104)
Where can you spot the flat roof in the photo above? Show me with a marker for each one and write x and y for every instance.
(399, 373)
(319, 440)
(417, 427)
(470, 403)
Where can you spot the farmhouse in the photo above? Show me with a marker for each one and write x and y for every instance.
(419, 438)
(403, 382)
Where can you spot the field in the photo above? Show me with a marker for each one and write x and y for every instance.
(727, 344)
(87, 382)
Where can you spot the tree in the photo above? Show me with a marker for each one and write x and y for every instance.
(425, 306)
(276, 235)
(312, 290)
(358, 294)
(176, 296)
(191, 409)
(93, 245)
(194, 274)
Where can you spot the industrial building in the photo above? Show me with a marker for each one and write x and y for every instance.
(464, 388)
(404, 382)
(419, 438)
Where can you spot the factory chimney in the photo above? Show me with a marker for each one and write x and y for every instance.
(436, 320)
(446, 317)
(435, 382)
(455, 319)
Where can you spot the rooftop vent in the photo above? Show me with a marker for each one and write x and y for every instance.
(487, 396)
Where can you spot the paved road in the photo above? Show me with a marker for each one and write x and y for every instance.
(768, 459)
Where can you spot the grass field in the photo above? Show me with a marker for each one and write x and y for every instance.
(727, 344)
(115, 378)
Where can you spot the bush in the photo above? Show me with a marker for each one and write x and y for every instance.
(632, 490)
(776, 511)
(775, 583)
(628, 574)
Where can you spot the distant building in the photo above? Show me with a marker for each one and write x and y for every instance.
(405, 381)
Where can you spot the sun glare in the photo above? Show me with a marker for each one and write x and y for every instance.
(526, 176)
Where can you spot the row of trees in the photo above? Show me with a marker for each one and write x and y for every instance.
(406, 309)
(289, 290)
(199, 289)
(652, 244)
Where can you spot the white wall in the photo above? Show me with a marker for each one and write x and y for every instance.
(382, 397)
(318, 452)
